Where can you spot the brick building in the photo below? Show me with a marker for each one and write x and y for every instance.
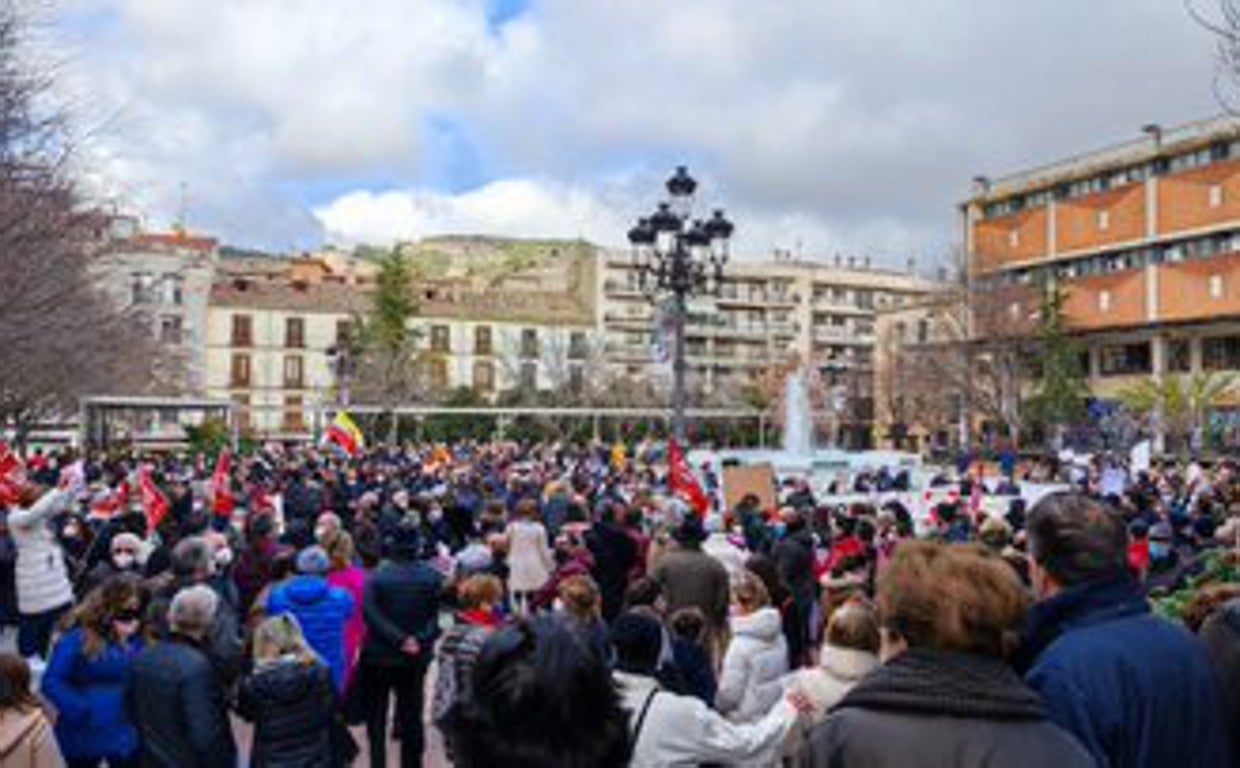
(1145, 237)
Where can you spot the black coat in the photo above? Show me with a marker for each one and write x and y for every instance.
(177, 702)
(794, 557)
(941, 710)
(401, 600)
(615, 554)
(292, 707)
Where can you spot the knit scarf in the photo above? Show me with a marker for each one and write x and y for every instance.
(927, 682)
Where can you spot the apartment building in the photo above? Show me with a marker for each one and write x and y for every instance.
(1144, 236)
(485, 321)
(164, 277)
(767, 314)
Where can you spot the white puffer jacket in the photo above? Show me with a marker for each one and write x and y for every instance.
(753, 668)
(42, 580)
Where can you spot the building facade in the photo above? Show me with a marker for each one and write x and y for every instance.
(1145, 239)
(767, 315)
(165, 279)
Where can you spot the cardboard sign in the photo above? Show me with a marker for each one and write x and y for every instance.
(758, 479)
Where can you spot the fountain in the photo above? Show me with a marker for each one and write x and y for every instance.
(799, 456)
(798, 419)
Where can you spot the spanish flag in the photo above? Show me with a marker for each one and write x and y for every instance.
(344, 433)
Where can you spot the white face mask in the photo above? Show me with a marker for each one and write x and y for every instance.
(223, 556)
(123, 560)
(319, 533)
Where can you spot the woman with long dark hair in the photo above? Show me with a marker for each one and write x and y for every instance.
(85, 677)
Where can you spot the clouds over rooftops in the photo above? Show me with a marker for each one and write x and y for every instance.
(821, 125)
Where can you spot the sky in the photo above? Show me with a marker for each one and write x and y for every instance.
(823, 127)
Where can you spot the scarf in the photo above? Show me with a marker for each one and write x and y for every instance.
(930, 682)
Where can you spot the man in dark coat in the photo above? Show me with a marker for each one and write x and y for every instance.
(175, 696)
(401, 608)
(693, 579)
(794, 557)
(614, 554)
(1135, 689)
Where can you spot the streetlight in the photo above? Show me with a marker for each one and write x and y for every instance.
(678, 256)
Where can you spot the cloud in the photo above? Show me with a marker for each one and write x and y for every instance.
(822, 125)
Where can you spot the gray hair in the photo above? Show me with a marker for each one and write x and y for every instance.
(193, 611)
(193, 558)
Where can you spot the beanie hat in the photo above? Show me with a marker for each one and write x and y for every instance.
(313, 561)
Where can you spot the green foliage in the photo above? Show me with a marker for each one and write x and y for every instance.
(1061, 391)
(210, 437)
(392, 307)
(1220, 568)
(1182, 402)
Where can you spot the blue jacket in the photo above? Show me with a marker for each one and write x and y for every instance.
(322, 610)
(88, 693)
(1136, 690)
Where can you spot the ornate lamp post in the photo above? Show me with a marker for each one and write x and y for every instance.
(676, 257)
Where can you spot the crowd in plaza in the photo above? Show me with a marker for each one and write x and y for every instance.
(580, 606)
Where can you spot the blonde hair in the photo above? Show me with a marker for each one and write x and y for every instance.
(281, 636)
(751, 593)
(581, 598)
(340, 549)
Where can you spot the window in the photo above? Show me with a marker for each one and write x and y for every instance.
(923, 331)
(482, 340)
(529, 376)
(1104, 301)
(173, 292)
(1216, 196)
(295, 332)
(484, 376)
(1124, 359)
(439, 375)
(242, 404)
(1216, 286)
(141, 287)
(577, 378)
(578, 349)
(529, 342)
(1179, 356)
(242, 331)
(441, 338)
(294, 416)
(240, 372)
(1104, 220)
(294, 372)
(1221, 353)
(170, 330)
(865, 299)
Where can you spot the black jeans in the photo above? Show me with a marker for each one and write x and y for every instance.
(408, 681)
(34, 631)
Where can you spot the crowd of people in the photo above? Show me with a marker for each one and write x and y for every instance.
(571, 606)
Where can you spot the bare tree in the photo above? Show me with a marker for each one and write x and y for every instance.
(60, 336)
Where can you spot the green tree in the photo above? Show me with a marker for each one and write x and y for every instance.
(1061, 390)
(387, 371)
(1179, 405)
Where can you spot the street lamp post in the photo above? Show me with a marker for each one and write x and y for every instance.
(677, 256)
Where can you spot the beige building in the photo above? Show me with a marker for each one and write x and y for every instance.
(768, 314)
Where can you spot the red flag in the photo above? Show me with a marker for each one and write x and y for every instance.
(110, 502)
(12, 475)
(682, 482)
(222, 501)
(154, 503)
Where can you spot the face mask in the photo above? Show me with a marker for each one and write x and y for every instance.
(223, 557)
(1159, 550)
(124, 560)
(319, 533)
